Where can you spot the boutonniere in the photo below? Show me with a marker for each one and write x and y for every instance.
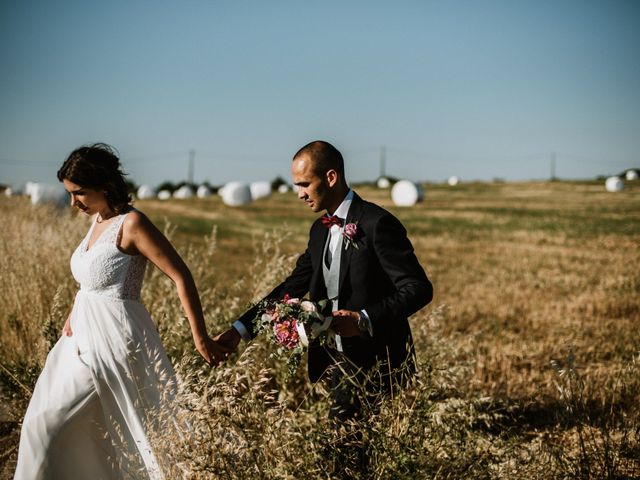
(350, 234)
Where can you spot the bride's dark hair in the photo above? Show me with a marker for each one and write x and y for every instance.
(97, 166)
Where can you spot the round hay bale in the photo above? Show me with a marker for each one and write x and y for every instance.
(453, 181)
(236, 194)
(614, 184)
(383, 182)
(631, 175)
(164, 195)
(203, 192)
(146, 191)
(260, 190)
(183, 192)
(28, 188)
(284, 188)
(406, 193)
(53, 194)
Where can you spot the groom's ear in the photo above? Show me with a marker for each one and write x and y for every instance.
(332, 177)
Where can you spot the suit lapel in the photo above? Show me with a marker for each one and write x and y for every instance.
(317, 242)
(354, 216)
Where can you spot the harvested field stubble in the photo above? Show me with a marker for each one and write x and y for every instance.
(528, 354)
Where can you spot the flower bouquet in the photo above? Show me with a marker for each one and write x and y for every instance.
(291, 323)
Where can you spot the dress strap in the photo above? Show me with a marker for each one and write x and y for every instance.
(115, 231)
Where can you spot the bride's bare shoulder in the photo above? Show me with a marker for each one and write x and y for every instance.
(136, 220)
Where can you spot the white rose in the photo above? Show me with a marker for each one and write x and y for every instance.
(308, 306)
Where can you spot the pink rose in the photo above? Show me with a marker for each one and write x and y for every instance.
(350, 231)
(290, 301)
(287, 334)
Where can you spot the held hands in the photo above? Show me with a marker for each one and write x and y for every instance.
(345, 323)
(229, 338)
(212, 351)
(218, 350)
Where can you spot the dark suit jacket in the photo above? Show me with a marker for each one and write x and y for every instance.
(381, 276)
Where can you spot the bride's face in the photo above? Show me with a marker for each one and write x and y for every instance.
(87, 200)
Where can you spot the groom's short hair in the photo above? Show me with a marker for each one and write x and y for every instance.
(325, 157)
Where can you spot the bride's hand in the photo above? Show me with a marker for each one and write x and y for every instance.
(66, 330)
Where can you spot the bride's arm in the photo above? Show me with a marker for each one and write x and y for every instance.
(66, 330)
(140, 236)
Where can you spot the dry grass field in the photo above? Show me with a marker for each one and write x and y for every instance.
(529, 353)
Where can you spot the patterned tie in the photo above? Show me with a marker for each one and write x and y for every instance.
(330, 221)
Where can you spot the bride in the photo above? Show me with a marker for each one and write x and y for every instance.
(108, 376)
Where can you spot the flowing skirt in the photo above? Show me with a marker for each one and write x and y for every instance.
(101, 394)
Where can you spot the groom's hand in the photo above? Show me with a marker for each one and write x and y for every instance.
(212, 351)
(345, 323)
(229, 339)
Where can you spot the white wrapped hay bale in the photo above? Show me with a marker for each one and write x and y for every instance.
(203, 192)
(260, 190)
(164, 195)
(614, 184)
(284, 188)
(45, 193)
(8, 192)
(145, 191)
(406, 193)
(631, 175)
(29, 187)
(183, 192)
(453, 181)
(235, 194)
(383, 182)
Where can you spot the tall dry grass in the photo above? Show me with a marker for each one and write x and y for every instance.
(527, 356)
(36, 285)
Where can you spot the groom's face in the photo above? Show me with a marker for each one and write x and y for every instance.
(313, 189)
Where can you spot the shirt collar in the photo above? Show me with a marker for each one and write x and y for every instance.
(343, 209)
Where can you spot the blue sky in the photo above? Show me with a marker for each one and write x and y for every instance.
(477, 89)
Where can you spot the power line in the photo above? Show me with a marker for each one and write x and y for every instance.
(18, 163)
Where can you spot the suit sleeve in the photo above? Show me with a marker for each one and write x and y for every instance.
(413, 290)
(296, 285)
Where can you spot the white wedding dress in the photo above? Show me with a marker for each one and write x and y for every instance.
(102, 390)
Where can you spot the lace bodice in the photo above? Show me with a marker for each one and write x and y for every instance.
(104, 269)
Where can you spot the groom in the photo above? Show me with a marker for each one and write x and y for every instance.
(360, 258)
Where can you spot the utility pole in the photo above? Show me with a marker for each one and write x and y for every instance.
(383, 160)
(192, 157)
(553, 166)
